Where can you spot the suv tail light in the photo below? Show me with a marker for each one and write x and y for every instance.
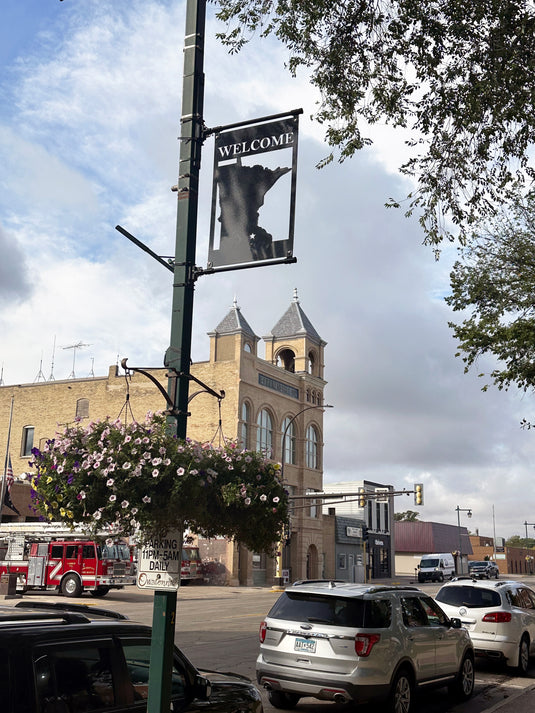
(364, 643)
(262, 632)
(498, 617)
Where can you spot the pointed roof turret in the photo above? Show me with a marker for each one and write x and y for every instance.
(294, 323)
(235, 322)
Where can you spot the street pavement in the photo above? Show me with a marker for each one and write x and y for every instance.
(496, 694)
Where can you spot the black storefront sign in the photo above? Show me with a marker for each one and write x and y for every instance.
(253, 194)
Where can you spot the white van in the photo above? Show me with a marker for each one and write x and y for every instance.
(436, 567)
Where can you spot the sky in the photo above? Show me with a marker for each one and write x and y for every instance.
(90, 99)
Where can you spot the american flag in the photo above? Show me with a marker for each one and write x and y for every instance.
(9, 482)
(9, 475)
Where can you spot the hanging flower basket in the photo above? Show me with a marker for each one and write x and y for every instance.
(139, 478)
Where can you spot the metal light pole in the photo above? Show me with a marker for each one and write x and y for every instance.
(278, 567)
(178, 356)
(469, 513)
(526, 526)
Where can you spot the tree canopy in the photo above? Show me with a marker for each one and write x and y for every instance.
(493, 284)
(517, 541)
(407, 516)
(458, 75)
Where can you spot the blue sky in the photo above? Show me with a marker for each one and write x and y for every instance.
(89, 119)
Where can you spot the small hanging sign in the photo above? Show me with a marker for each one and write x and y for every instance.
(160, 561)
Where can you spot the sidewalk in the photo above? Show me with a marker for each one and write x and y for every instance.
(521, 701)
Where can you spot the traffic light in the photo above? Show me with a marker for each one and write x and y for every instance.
(418, 493)
(362, 498)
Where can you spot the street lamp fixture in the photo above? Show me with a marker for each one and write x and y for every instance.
(468, 512)
(526, 526)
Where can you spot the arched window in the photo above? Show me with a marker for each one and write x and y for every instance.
(264, 432)
(247, 348)
(27, 440)
(311, 447)
(288, 443)
(244, 425)
(311, 363)
(82, 409)
(286, 359)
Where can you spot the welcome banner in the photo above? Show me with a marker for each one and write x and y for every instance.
(253, 195)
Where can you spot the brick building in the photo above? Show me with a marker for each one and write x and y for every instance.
(510, 560)
(414, 539)
(265, 399)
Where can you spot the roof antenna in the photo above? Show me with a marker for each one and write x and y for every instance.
(40, 376)
(74, 347)
(51, 377)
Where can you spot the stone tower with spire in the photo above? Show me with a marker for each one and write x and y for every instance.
(275, 404)
(294, 344)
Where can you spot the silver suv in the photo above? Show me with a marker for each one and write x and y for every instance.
(357, 643)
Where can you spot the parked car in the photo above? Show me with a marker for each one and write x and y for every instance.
(66, 658)
(358, 643)
(484, 569)
(500, 617)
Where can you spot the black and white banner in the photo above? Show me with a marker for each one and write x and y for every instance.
(253, 197)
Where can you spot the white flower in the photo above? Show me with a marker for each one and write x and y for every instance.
(194, 471)
(110, 482)
(180, 471)
(124, 504)
(97, 515)
(263, 498)
(156, 461)
(146, 499)
(247, 501)
(127, 465)
(155, 473)
(112, 498)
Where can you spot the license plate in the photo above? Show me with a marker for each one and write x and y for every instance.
(307, 646)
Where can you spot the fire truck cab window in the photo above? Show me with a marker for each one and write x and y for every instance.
(56, 551)
(72, 552)
(88, 551)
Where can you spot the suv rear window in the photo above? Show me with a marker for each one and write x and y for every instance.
(473, 597)
(337, 611)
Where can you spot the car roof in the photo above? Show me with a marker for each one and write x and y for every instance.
(345, 589)
(36, 617)
(467, 581)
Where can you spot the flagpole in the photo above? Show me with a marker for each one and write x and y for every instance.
(4, 479)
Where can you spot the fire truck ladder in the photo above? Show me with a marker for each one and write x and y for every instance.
(44, 530)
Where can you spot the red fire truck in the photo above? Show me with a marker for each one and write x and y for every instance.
(45, 557)
(191, 568)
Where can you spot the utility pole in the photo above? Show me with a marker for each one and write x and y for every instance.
(178, 355)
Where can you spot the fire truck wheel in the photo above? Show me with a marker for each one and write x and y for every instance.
(71, 586)
(100, 591)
